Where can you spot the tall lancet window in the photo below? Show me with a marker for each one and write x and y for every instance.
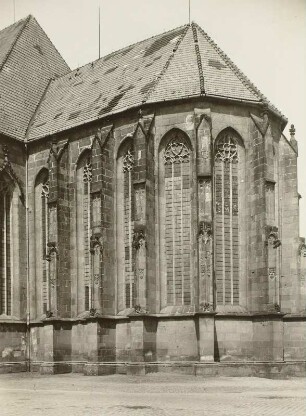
(41, 241)
(228, 179)
(175, 220)
(6, 193)
(125, 227)
(83, 207)
(129, 261)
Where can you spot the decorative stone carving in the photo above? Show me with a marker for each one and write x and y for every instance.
(293, 140)
(270, 186)
(45, 190)
(139, 310)
(206, 307)
(226, 149)
(272, 236)
(140, 273)
(49, 314)
(128, 161)
(96, 244)
(272, 273)
(8, 169)
(139, 239)
(205, 231)
(87, 172)
(201, 114)
(176, 152)
(52, 249)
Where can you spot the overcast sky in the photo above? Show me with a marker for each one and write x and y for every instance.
(265, 38)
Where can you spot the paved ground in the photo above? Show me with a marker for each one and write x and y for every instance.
(154, 394)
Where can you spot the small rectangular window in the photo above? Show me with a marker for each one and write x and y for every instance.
(86, 298)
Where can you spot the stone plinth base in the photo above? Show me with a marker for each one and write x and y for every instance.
(55, 368)
(13, 367)
(99, 369)
(275, 370)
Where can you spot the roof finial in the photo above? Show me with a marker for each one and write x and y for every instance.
(292, 131)
(293, 140)
(189, 10)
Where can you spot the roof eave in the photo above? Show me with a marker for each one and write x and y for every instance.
(150, 103)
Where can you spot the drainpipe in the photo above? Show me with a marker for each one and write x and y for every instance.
(28, 346)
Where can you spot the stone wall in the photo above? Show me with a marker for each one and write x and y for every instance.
(174, 317)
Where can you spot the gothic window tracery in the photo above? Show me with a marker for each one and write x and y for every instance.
(176, 152)
(226, 177)
(127, 214)
(42, 227)
(84, 219)
(128, 161)
(45, 238)
(226, 149)
(6, 190)
(129, 257)
(175, 205)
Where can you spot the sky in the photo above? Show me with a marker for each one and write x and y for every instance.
(265, 38)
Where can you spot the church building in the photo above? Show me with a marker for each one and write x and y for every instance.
(149, 213)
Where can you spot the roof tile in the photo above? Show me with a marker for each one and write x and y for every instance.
(31, 60)
(181, 63)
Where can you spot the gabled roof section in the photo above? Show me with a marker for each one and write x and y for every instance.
(178, 64)
(28, 60)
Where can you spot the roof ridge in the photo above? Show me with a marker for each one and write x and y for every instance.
(237, 71)
(36, 109)
(166, 66)
(121, 49)
(33, 18)
(26, 20)
(198, 56)
(140, 41)
(15, 23)
(243, 78)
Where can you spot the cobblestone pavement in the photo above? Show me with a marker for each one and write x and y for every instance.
(154, 394)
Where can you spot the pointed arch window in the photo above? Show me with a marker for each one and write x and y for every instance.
(125, 226)
(228, 173)
(6, 193)
(41, 240)
(83, 207)
(129, 260)
(175, 219)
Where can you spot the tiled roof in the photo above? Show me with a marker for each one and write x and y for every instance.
(181, 63)
(8, 37)
(28, 60)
